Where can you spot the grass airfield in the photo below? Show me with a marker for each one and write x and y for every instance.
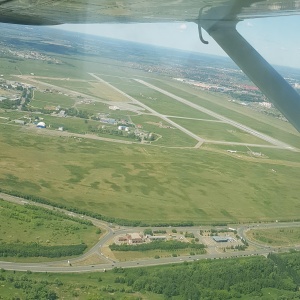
(168, 180)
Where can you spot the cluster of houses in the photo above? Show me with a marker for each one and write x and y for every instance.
(11, 86)
(28, 54)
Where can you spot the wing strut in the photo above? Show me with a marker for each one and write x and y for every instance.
(262, 74)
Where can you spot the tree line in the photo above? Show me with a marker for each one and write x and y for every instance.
(158, 245)
(36, 250)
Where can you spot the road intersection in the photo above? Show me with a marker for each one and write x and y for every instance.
(111, 231)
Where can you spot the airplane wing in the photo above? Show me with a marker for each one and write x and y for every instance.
(50, 12)
(217, 17)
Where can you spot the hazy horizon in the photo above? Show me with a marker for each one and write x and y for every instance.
(272, 37)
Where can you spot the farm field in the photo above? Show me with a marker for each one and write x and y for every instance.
(152, 184)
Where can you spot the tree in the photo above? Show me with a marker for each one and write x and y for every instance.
(148, 231)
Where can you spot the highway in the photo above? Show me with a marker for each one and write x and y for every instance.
(49, 267)
(63, 267)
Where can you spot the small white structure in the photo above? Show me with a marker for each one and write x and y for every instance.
(41, 125)
(62, 114)
(123, 128)
(114, 107)
(266, 104)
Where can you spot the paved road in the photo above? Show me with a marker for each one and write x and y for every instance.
(242, 230)
(244, 144)
(61, 266)
(62, 89)
(44, 267)
(220, 117)
(72, 134)
(103, 225)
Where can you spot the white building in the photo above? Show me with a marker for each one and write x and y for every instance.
(41, 125)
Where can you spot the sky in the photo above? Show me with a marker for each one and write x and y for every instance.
(276, 39)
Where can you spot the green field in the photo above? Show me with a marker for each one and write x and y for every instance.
(12, 115)
(276, 236)
(155, 100)
(14, 66)
(171, 137)
(93, 88)
(151, 184)
(274, 156)
(51, 99)
(23, 224)
(218, 131)
(74, 85)
(94, 108)
(71, 124)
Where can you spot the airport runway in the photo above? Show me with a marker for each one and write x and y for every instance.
(219, 117)
(155, 113)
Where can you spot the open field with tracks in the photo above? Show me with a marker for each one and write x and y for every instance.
(148, 183)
